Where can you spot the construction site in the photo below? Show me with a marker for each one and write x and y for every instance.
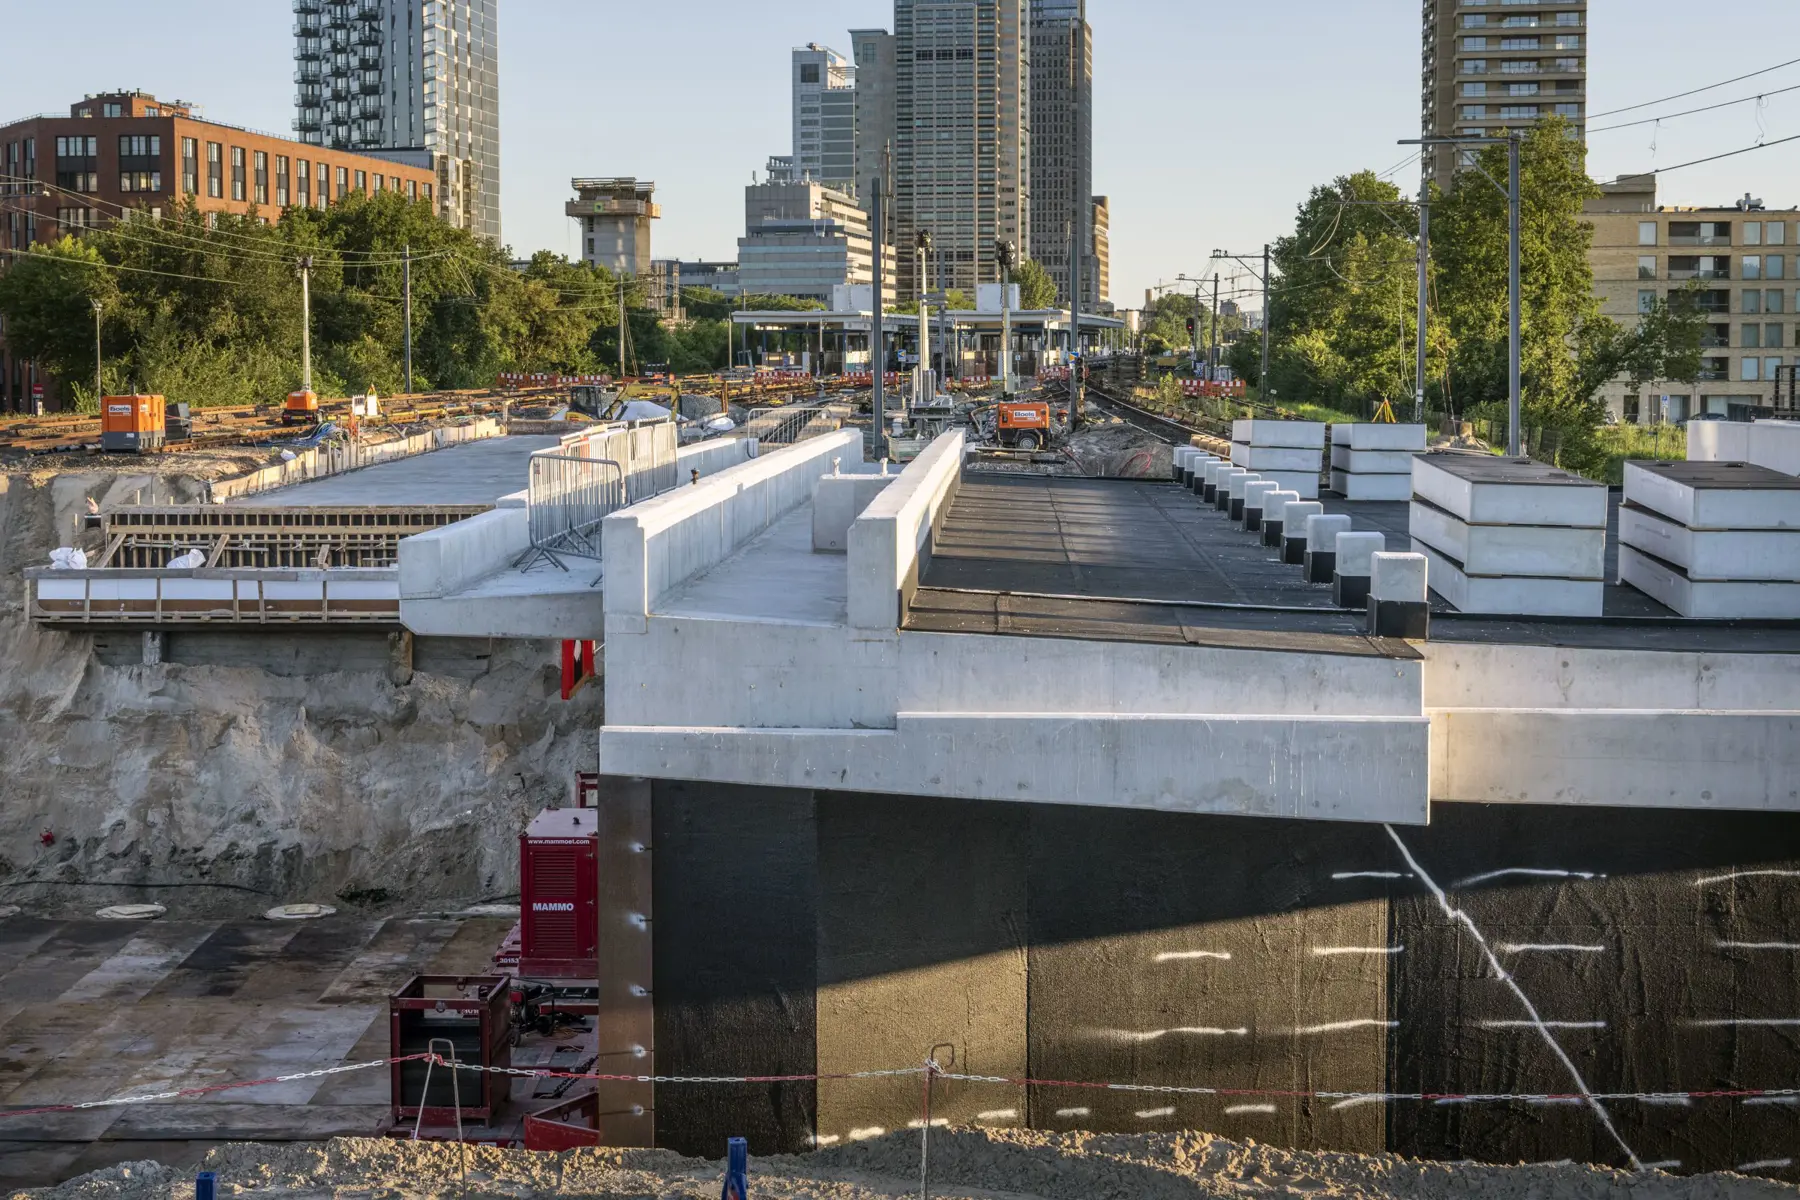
(969, 792)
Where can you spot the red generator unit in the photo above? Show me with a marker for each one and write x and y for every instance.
(559, 896)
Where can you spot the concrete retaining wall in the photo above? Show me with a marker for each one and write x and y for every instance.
(655, 546)
(435, 564)
(892, 538)
(336, 458)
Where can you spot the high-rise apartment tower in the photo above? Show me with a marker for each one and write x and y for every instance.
(962, 145)
(414, 81)
(1494, 65)
(876, 77)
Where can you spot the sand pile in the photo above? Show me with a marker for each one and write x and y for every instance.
(966, 1165)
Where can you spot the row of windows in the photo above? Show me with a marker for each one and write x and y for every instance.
(1516, 112)
(1717, 233)
(1520, 21)
(1715, 266)
(1562, 41)
(1522, 66)
(1752, 302)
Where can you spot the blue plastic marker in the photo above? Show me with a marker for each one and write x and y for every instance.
(206, 1186)
(737, 1171)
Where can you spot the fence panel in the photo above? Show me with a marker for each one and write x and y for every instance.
(569, 498)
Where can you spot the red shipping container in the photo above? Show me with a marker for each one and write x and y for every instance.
(560, 896)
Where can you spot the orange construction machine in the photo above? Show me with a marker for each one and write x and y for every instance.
(1024, 424)
(302, 408)
(131, 424)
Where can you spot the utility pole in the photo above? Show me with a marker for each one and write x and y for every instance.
(877, 359)
(1212, 355)
(1424, 296)
(1262, 376)
(1003, 253)
(621, 329)
(1511, 141)
(98, 386)
(921, 376)
(306, 267)
(406, 286)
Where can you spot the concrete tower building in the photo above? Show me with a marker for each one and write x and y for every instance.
(615, 216)
(1062, 140)
(962, 146)
(1494, 65)
(876, 78)
(824, 116)
(412, 81)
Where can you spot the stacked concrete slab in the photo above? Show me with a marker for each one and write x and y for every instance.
(1374, 462)
(1290, 453)
(1771, 444)
(1712, 539)
(1510, 536)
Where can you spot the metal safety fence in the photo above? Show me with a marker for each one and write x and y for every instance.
(645, 452)
(794, 423)
(569, 498)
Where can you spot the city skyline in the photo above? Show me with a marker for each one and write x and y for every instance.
(1188, 161)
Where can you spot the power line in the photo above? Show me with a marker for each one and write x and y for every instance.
(1694, 92)
(1690, 112)
(41, 256)
(1728, 154)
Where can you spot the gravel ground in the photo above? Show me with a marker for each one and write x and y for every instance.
(966, 1165)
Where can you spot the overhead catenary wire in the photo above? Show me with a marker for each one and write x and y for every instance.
(1692, 91)
(1691, 111)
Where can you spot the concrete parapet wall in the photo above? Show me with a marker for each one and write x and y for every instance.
(709, 458)
(335, 459)
(1497, 676)
(659, 544)
(892, 538)
(446, 560)
(1320, 768)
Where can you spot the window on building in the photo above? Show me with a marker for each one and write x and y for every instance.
(1772, 337)
(1646, 264)
(1775, 233)
(1774, 266)
(215, 170)
(1474, 66)
(1752, 267)
(262, 176)
(1646, 232)
(343, 183)
(393, 183)
(362, 182)
(412, 189)
(1752, 369)
(1753, 302)
(1471, 43)
(112, 110)
(1775, 301)
(809, 72)
(1646, 300)
(1521, 89)
(380, 183)
(1770, 368)
(1568, 110)
(1568, 18)
(323, 174)
(190, 166)
(239, 184)
(1750, 337)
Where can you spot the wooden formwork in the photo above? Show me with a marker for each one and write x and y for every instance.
(246, 537)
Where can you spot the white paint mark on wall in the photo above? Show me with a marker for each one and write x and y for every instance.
(1709, 880)
(1548, 1101)
(870, 1131)
(1372, 875)
(1548, 948)
(1239, 1109)
(998, 1114)
(1670, 1101)
(1357, 1101)
(1789, 1101)
(1766, 1164)
(1748, 1023)
(1074, 1112)
(1347, 951)
(1526, 873)
(1169, 956)
(1667, 1164)
(1342, 1026)
(1153, 1035)
(1150, 1114)
(1457, 916)
(1543, 1024)
(936, 1123)
(824, 1139)
(1759, 945)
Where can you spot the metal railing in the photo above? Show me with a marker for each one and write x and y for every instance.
(569, 499)
(794, 423)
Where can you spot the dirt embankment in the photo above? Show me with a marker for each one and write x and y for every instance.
(263, 786)
(966, 1165)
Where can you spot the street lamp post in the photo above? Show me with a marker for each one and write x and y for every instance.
(98, 386)
(1514, 385)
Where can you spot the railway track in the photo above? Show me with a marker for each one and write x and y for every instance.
(1167, 428)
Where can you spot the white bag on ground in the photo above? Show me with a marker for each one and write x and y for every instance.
(68, 558)
(193, 560)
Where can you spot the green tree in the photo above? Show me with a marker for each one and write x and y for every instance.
(1036, 288)
(48, 301)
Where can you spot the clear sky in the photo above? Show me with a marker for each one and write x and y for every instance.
(1212, 119)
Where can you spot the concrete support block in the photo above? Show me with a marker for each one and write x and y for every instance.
(1181, 467)
(838, 500)
(1772, 444)
(1276, 458)
(1321, 546)
(1511, 595)
(1299, 435)
(1371, 462)
(1769, 555)
(1722, 496)
(1379, 438)
(1371, 487)
(1355, 561)
(1399, 605)
(1229, 478)
(1708, 599)
(1273, 515)
(1483, 490)
(1718, 441)
(1209, 489)
(1535, 551)
(1293, 529)
(1255, 496)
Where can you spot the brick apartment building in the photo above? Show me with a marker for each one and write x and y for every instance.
(122, 151)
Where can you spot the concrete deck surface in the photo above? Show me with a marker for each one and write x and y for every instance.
(91, 1009)
(473, 473)
(777, 576)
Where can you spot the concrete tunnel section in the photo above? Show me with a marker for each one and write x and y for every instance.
(1221, 868)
